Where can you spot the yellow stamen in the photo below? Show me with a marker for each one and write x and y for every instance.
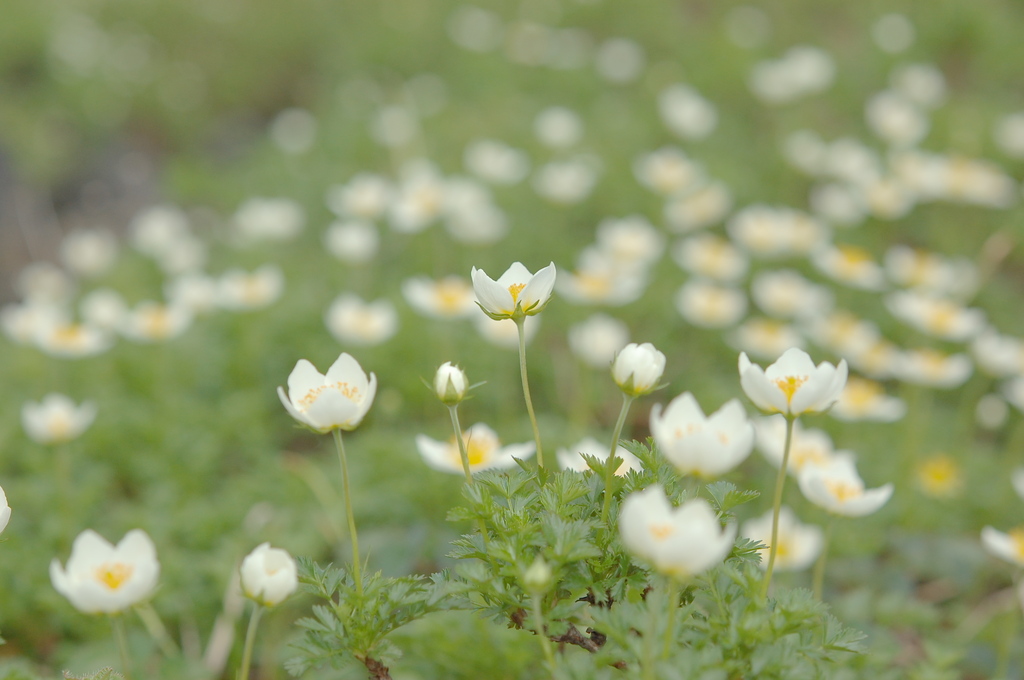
(349, 392)
(113, 575)
(1017, 536)
(940, 477)
(789, 385)
(843, 491)
(516, 289)
(661, 531)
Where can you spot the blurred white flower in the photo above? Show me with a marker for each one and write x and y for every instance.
(809, 446)
(419, 201)
(786, 294)
(620, 60)
(268, 219)
(269, 575)
(711, 256)
(637, 368)
(932, 368)
(242, 290)
(450, 297)
(89, 252)
(686, 113)
(483, 449)
(571, 458)
(998, 355)
(1005, 546)
(913, 268)
(682, 542)
(558, 127)
(801, 71)
(293, 130)
(864, 399)
(23, 322)
(338, 399)
(194, 291)
(706, 304)
(764, 338)
(705, 446)
(44, 283)
(936, 316)
(850, 265)
(630, 242)
(395, 126)
(806, 151)
(352, 241)
(365, 196)
(598, 280)
(154, 322)
(837, 488)
(597, 340)
(156, 230)
(699, 208)
(1009, 134)
(922, 84)
(838, 203)
(351, 320)
(991, 412)
(103, 578)
(798, 544)
(893, 33)
(895, 119)
(566, 182)
(103, 308)
(668, 171)
(63, 338)
(475, 29)
(772, 232)
(496, 162)
(793, 385)
(56, 419)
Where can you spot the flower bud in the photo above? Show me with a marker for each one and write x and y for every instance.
(450, 384)
(638, 368)
(269, 575)
(537, 577)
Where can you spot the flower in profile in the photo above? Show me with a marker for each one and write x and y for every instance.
(1006, 546)
(838, 488)
(5, 511)
(450, 384)
(706, 446)
(793, 384)
(269, 575)
(337, 400)
(483, 449)
(798, 545)
(56, 419)
(638, 368)
(682, 541)
(516, 293)
(104, 578)
(572, 458)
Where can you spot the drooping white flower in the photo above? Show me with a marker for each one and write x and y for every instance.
(682, 542)
(638, 368)
(516, 293)
(798, 544)
(483, 448)
(705, 446)
(793, 385)
(838, 488)
(56, 419)
(571, 458)
(337, 400)
(269, 575)
(103, 578)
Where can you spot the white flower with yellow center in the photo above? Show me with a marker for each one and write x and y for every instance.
(1007, 546)
(842, 332)
(809, 446)
(483, 449)
(365, 196)
(241, 290)
(710, 305)
(913, 268)
(1000, 356)
(352, 241)
(630, 242)
(599, 280)
(269, 575)
(351, 320)
(698, 209)
(940, 476)
(155, 322)
(681, 542)
(337, 400)
(516, 293)
(710, 256)
(850, 265)
(268, 219)
(932, 368)
(793, 385)
(936, 316)
(798, 544)
(864, 399)
(572, 458)
(705, 446)
(775, 232)
(56, 419)
(785, 294)
(837, 488)
(103, 578)
(667, 171)
(765, 338)
(450, 297)
(69, 339)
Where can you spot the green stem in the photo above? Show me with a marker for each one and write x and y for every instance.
(117, 623)
(647, 663)
(545, 643)
(609, 474)
(520, 325)
(156, 629)
(250, 638)
(356, 566)
(780, 482)
(819, 565)
(463, 453)
(672, 601)
(1006, 646)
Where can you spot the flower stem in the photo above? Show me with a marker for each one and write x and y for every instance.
(520, 325)
(356, 574)
(156, 629)
(819, 565)
(609, 474)
(672, 601)
(250, 638)
(453, 411)
(780, 482)
(117, 623)
(545, 643)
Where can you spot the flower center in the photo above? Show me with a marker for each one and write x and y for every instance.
(113, 574)
(789, 385)
(843, 491)
(156, 323)
(515, 289)
(70, 335)
(862, 394)
(1017, 537)
(940, 477)
(660, 532)
(450, 295)
(349, 392)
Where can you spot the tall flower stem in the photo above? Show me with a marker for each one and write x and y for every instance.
(117, 624)
(545, 643)
(672, 601)
(819, 565)
(780, 482)
(520, 325)
(453, 411)
(356, 566)
(609, 474)
(151, 620)
(250, 638)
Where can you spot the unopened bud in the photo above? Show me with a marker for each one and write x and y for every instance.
(537, 578)
(450, 384)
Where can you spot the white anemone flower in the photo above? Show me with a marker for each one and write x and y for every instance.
(5, 511)
(705, 446)
(483, 448)
(351, 320)
(681, 542)
(516, 293)
(450, 297)
(571, 458)
(103, 578)
(337, 400)
(809, 446)
(937, 316)
(1008, 546)
(709, 305)
(864, 399)
(596, 340)
(56, 419)
(154, 322)
(837, 488)
(798, 544)
(932, 368)
(793, 385)
(765, 338)
(638, 368)
(269, 575)
(241, 290)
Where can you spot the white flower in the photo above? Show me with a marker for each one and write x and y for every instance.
(864, 399)
(450, 297)
(483, 448)
(1007, 546)
(598, 280)
(850, 265)
(809, 447)
(56, 419)
(686, 113)
(572, 457)
(450, 383)
(63, 338)
(496, 162)
(269, 575)
(711, 256)
(699, 208)
(89, 252)
(504, 333)
(793, 384)
(773, 232)
(195, 291)
(366, 196)
(638, 368)
(683, 541)
(932, 368)
(798, 546)
(630, 242)
(785, 294)
(337, 400)
(765, 338)
(566, 182)
(705, 446)
(5, 511)
(152, 322)
(516, 293)
(103, 308)
(937, 316)
(242, 290)
(558, 127)
(353, 241)
(597, 340)
(351, 320)
(837, 488)
(103, 578)
(268, 219)
(667, 171)
(710, 305)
